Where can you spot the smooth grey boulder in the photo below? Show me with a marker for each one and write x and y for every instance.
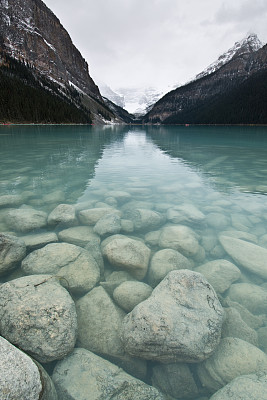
(180, 238)
(164, 261)
(130, 293)
(38, 240)
(234, 326)
(63, 215)
(185, 213)
(10, 200)
(38, 315)
(220, 274)
(99, 327)
(119, 195)
(79, 270)
(253, 297)
(26, 219)
(217, 220)
(232, 358)
(109, 224)
(253, 321)
(114, 280)
(246, 387)
(241, 235)
(92, 215)
(79, 235)
(125, 253)
(99, 323)
(262, 337)
(144, 219)
(12, 251)
(19, 375)
(249, 255)
(152, 238)
(84, 375)
(175, 380)
(180, 322)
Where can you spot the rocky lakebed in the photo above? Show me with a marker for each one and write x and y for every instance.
(118, 297)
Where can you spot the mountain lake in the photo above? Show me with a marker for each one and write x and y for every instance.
(142, 202)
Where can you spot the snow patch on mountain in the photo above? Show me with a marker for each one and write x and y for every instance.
(249, 44)
(136, 100)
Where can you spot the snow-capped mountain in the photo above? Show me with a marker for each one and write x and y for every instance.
(247, 45)
(30, 33)
(136, 100)
(224, 86)
(107, 92)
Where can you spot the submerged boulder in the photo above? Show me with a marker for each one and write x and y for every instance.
(180, 322)
(38, 315)
(84, 375)
(180, 238)
(129, 254)
(253, 297)
(75, 265)
(63, 215)
(26, 219)
(144, 219)
(220, 274)
(246, 387)
(232, 358)
(12, 251)
(164, 261)
(248, 255)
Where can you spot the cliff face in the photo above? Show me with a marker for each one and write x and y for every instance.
(30, 31)
(180, 105)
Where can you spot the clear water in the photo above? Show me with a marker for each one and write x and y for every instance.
(220, 170)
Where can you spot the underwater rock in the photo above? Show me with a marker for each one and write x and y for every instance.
(20, 377)
(246, 387)
(12, 251)
(99, 323)
(164, 261)
(119, 195)
(108, 224)
(83, 375)
(11, 200)
(220, 274)
(180, 238)
(234, 326)
(249, 255)
(217, 220)
(91, 216)
(130, 293)
(38, 315)
(63, 215)
(35, 241)
(26, 219)
(253, 297)
(74, 264)
(79, 235)
(232, 358)
(185, 213)
(180, 322)
(176, 380)
(144, 219)
(125, 253)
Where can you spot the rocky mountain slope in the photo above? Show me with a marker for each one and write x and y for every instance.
(30, 32)
(194, 102)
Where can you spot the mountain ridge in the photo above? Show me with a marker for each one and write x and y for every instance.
(32, 34)
(175, 106)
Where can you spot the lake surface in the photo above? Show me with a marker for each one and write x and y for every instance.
(212, 180)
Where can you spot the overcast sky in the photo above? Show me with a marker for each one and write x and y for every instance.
(130, 43)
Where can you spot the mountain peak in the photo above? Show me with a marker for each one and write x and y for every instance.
(249, 44)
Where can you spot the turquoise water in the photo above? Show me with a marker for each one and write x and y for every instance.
(219, 171)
